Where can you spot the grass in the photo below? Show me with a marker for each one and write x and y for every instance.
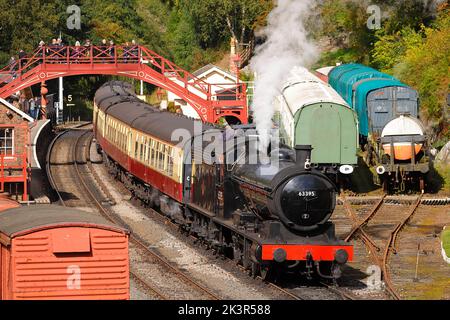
(444, 172)
(445, 237)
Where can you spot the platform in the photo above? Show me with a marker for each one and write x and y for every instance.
(41, 136)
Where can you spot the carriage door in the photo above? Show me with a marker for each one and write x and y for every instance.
(380, 105)
(320, 126)
(407, 101)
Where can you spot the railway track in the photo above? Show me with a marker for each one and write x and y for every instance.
(299, 293)
(379, 230)
(322, 290)
(81, 176)
(393, 199)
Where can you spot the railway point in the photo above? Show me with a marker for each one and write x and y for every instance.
(156, 151)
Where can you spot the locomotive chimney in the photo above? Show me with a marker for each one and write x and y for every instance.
(303, 156)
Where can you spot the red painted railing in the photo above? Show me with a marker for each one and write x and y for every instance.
(211, 101)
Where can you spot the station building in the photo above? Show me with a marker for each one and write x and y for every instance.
(14, 150)
(211, 74)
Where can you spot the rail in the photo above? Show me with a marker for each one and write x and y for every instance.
(382, 260)
(134, 237)
(48, 167)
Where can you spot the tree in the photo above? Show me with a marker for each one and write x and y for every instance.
(24, 23)
(389, 49)
(215, 21)
(425, 67)
(344, 24)
(112, 19)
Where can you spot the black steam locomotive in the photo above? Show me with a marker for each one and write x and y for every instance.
(288, 206)
(267, 217)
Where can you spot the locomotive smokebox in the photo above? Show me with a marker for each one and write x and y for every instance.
(303, 156)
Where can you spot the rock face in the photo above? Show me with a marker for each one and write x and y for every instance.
(444, 155)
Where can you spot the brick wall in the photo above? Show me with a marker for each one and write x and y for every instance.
(21, 134)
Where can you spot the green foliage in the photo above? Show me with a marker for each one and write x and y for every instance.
(445, 238)
(215, 21)
(189, 32)
(344, 24)
(246, 76)
(425, 66)
(171, 107)
(413, 44)
(405, 13)
(24, 23)
(390, 48)
(117, 20)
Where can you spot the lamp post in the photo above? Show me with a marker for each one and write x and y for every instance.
(44, 92)
(237, 65)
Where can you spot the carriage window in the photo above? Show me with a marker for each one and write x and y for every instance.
(7, 141)
(141, 151)
(136, 146)
(120, 137)
(161, 156)
(147, 155)
(123, 138)
(166, 158)
(153, 155)
(170, 162)
(156, 154)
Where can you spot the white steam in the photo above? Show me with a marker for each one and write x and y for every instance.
(287, 45)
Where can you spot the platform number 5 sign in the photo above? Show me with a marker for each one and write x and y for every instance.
(74, 278)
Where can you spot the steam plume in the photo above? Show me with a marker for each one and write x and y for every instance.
(287, 45)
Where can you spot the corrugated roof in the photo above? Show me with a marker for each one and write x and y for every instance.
(303, 88)
(342, 78)
(19, 220)
(354, 82)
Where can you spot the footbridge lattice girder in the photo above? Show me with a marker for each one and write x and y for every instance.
(137, 62)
